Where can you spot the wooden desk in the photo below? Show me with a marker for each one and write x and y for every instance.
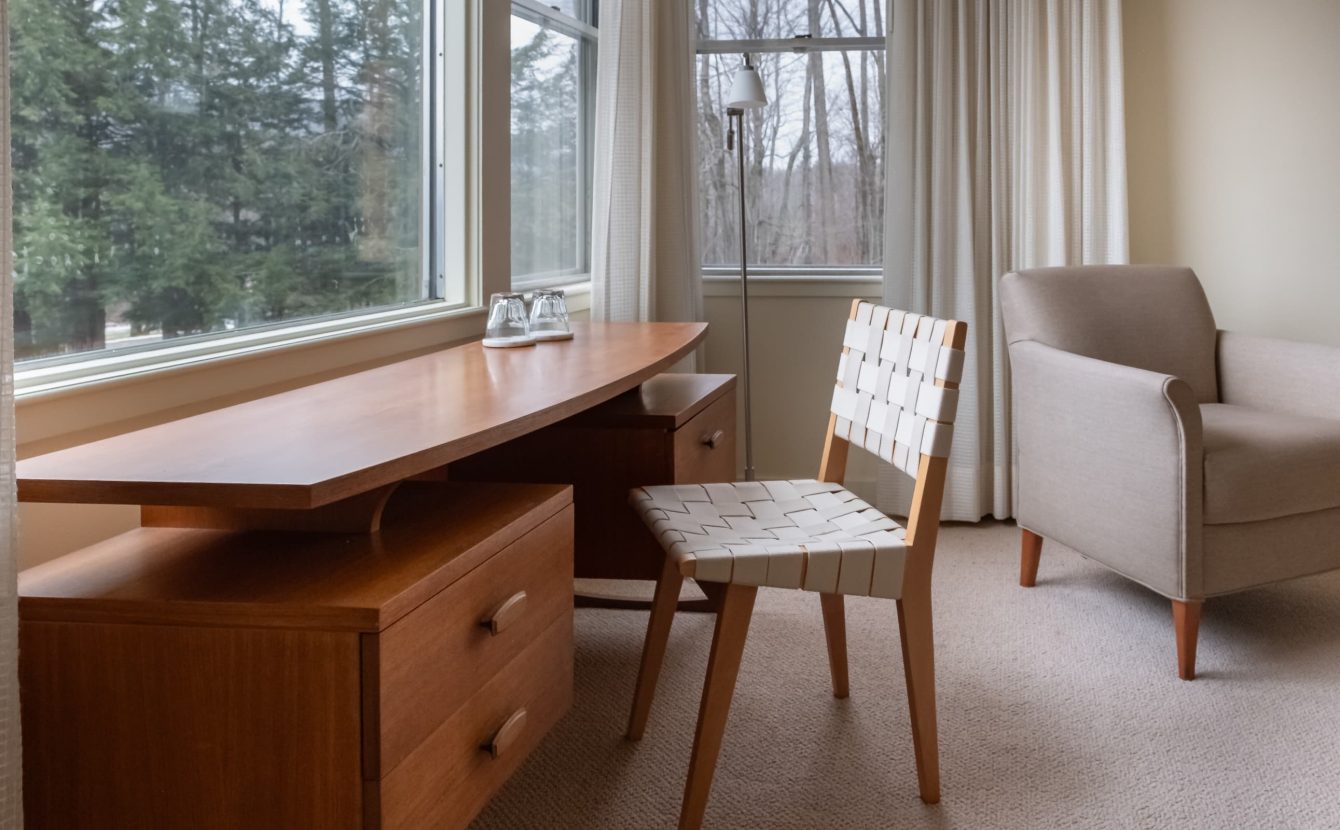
(389, 671)
(330, 441)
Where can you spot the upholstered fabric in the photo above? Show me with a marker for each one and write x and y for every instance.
(811, 535)
(1279, 375)
(1149, 317)
(1263, 464)
(886, 399)
(1242, 556)
(1125, 452)
(1104, 464)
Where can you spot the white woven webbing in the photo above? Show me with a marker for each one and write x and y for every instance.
(885, 399)
(812, 535)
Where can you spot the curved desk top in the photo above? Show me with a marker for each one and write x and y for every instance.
(329, 441)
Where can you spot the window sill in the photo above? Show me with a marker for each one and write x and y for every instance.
(104, 369)
(124, 392)
(56, 413)
(577, 294)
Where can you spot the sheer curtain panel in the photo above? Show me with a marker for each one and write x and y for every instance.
(1006, 150)
(645, 258)
(11, 756)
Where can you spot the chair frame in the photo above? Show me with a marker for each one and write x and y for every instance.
(735, 609)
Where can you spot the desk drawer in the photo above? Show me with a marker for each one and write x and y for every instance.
(705, 446)
(450, 776)
(434, 659)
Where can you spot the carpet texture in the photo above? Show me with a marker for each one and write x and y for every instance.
(1059, 707)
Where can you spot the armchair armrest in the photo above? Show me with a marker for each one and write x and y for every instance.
(1283, 375)
(1108, 462)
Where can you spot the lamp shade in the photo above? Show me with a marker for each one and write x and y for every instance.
(746, 92)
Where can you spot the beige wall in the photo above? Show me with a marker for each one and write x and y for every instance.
(1233, 127)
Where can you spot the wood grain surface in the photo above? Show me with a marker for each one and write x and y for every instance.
(188, 726)
(321, 443)
(435, 533)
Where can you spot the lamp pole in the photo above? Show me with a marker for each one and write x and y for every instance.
(746, 93)
(736, 117)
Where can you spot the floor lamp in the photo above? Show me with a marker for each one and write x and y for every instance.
(746, 93)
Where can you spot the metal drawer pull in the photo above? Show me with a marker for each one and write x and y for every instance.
(506, 734)
(714, 439)
(505, 614)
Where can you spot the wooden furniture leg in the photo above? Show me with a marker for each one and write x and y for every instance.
(722, 668)
(663, 606)
(914, 625)
(835, 631)
(1030, 554)
(1186, 624)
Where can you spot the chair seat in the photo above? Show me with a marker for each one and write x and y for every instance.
(811, 535)
(1264, 465)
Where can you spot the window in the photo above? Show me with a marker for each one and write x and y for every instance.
(815, 154)
(184, 168)
(553, 77)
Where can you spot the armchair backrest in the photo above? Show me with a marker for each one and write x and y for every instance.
(1152, 317)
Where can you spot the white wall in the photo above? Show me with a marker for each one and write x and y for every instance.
(1233, 122)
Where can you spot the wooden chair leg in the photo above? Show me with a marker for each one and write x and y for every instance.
(835, 631)
(1186, 625)
(914, 625)
(663, 606)
(722, 668)
(1030, 554)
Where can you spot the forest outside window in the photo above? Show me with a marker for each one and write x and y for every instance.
(553, 81)
(186, 168)
(815, 154)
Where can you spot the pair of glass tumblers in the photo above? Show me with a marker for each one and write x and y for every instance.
(509, 325)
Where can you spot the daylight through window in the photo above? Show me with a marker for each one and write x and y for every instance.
(186, 167)
(553, 80)
(815, 154)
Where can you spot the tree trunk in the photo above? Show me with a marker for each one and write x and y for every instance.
(326, 26)
(821, 143)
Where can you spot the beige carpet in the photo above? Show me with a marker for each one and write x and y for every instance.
(1059, 707)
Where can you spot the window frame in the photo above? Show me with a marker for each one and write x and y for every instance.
(587, 36)
(453, 89)
(800, 44)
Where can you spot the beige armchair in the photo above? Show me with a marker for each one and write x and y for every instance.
(1196, 462)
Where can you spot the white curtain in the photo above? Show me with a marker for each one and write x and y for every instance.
(11, 758)
(645, 260)
(1006, 150)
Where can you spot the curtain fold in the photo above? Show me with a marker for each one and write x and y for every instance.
(645, 257)
(11, 758)
(1006, 150)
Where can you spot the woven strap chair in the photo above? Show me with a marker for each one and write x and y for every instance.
(896, 395)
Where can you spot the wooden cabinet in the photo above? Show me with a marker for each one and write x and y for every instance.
(216, 679)
(674, 429)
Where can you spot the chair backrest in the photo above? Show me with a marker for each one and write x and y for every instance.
(1153, 317)
(897, 385)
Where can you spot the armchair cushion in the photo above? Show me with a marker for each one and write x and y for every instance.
(1266, 464)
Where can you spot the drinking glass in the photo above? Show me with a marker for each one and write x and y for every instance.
(507, 326)
(549, 316)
